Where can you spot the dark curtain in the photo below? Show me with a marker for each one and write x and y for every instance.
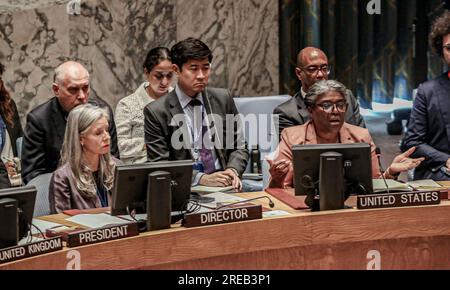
(373, 55)
(346, 44)
(365, 57)
(385, 30)
(404, 78)
(290, 31)
(299, 28)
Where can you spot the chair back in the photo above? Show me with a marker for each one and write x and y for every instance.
(42, 183)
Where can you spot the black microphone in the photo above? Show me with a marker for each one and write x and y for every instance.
(378, 153)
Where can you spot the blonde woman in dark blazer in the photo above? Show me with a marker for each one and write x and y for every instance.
(86, 175)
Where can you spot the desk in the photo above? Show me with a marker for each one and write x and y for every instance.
(406, 238)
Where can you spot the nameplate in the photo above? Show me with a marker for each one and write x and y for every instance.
(229, 215)
(30, 250)
(403, 199)
(93, 236)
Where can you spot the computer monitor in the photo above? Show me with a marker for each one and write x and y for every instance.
(131, 184)
(23, 199)
(356, 168)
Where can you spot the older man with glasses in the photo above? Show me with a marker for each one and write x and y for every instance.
(312, 66)
(327, 105)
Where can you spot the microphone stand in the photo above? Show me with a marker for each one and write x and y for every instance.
(378, 152)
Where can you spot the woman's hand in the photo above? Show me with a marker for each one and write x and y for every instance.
(402, 162)
(278, 171)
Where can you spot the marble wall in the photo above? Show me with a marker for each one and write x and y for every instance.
(111, 38)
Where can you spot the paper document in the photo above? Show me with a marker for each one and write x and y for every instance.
(275, 213)
(220, 199)
(424, 184)
(42, 225)
(380, 186)
(96, 220)
(210, 189)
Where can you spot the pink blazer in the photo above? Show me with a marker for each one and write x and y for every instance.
(306, 134)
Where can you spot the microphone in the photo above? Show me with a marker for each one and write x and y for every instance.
(271, 203)
(378, 152)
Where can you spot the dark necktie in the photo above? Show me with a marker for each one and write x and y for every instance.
(205, 153)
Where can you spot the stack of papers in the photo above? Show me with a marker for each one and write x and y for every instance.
(426, 184)
(96, 220)
(394, 186)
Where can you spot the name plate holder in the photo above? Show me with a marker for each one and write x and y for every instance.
(399, 199)
(227, 215)
(30, 250)
(94, 236)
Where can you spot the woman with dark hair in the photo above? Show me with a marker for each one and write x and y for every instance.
(10, 131)
(129, 115)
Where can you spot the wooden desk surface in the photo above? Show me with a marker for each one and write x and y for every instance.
(405, 238)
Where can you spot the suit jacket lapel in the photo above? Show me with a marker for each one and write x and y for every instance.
(443, 93)
(177, 118)
(301, 108)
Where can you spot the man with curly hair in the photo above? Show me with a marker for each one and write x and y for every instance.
(429, 126)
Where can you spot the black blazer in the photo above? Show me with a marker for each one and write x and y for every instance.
(44, 136)
(294, 112)
(429, 128)
(160, 126)
(14, 133)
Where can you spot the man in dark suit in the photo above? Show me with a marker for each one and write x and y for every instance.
(46, 124)
(196, 122)
(429, 124)
(312, 66)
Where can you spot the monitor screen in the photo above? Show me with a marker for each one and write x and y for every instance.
(131, 181)
(25, 197)
(356, 162)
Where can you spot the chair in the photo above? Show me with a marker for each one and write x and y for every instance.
(42, 205)
(400, 119)
(260, 123)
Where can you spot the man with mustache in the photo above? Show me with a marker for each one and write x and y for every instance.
(312, 67)
(190, 122)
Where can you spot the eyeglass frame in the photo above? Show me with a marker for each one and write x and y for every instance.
(333, 106)
(325, 69)
(446, 47)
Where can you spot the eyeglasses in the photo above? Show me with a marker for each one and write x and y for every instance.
(447, 47)
(314, 70)
(327, 107)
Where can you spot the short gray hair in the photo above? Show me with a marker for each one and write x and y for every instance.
(62, 70)
(79, 120)
(321, 88)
